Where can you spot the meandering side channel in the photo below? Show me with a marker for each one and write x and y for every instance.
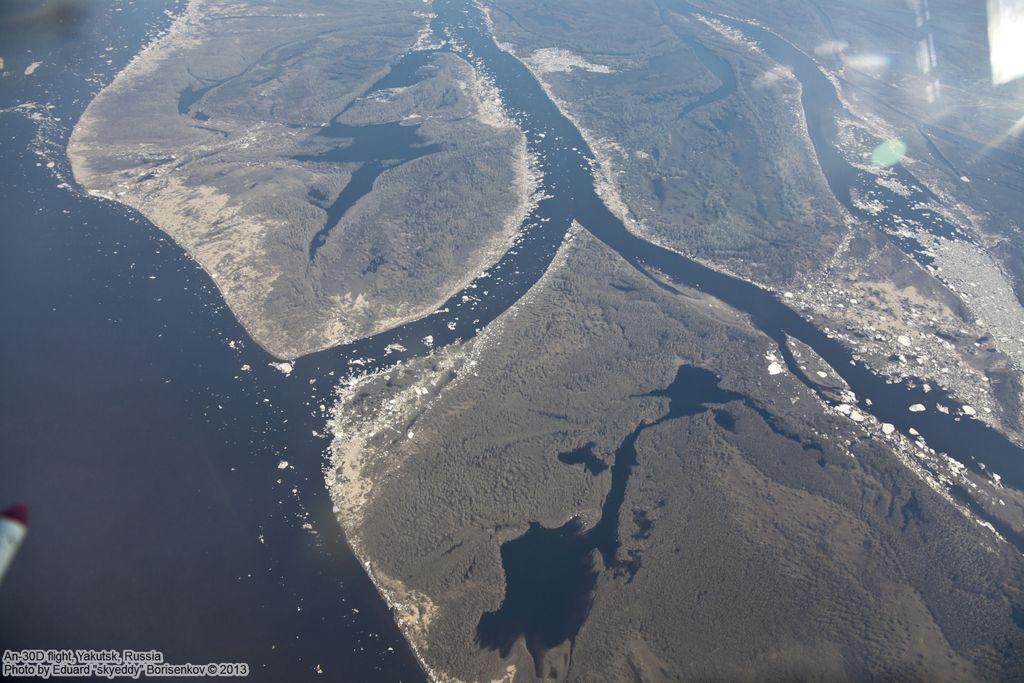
(568, 182)
(569, 194)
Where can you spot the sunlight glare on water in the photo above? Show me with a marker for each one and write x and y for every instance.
(889, 153)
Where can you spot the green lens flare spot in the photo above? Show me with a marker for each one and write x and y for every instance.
(889, 153)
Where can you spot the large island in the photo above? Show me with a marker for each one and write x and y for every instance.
(332, 171)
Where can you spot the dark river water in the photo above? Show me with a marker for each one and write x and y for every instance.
(718, 67)
(149, 453)
(566, 160)
(148, 456)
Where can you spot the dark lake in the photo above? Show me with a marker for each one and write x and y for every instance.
(551, 573)
(378, 147)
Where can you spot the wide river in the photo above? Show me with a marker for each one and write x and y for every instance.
(148, 457)
(145, 430)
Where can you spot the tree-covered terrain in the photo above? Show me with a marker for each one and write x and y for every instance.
(759, 537)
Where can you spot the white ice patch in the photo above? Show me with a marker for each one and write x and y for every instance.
(916, 408)
(554, 59)
(284, 367)
(392, 348)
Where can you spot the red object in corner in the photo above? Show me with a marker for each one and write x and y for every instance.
(19, 513)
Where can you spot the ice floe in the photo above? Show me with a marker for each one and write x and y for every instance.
(284, 367)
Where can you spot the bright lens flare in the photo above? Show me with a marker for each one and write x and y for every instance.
(1005, 43)
(889, 153)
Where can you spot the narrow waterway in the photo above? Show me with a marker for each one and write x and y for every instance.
(567, 161)
(853, 187)
(567, 179)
